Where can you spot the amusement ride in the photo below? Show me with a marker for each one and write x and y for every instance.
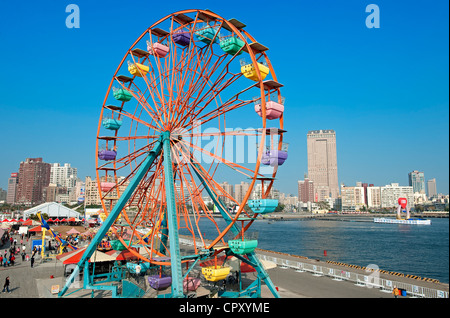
(166, 134)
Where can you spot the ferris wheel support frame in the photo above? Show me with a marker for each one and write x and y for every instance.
(145, 166)
(252, 258)
(174, 246)
(163, 144)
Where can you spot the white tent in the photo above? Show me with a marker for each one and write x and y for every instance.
(53, 210)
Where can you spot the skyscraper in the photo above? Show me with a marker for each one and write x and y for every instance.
(64, 176)
(431, 185)
(417, 181)
(34, 176)
(322, 163)
(12, 188)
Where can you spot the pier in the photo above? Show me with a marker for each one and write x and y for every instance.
(294, 277)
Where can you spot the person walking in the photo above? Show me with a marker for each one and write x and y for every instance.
(12, 258)
(138, 271)
(396, 292)
(32, 261)
(6, 285)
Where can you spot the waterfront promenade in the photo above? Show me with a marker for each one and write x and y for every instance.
(37, 282)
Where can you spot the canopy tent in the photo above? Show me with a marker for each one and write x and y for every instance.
(28, 222)
(5, 225)
(122, 255)
(88, 232)
(52, 209)
(72, 231)
(74, 257)
(35, 229)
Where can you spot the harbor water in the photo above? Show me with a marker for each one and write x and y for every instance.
(421, 250)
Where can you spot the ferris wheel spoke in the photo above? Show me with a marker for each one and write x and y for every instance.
(152, 112)
(199, 209)
(231, 104)
(138, 95)
(190, 158)
(201, 73)
(138, 120)
(236, 167)
(160, 79)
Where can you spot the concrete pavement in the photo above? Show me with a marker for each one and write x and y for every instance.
(37, 282)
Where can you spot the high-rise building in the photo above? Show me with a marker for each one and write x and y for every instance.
(34, 176)
(306, 190)
(431, 186)
(417, 181)
(2, 195)
(228, 188)
(322, 163)
(64, 176)
(353, 198)
(257, 192)
(12, 188)
(373, 196)
(240, 190)
(392, 192)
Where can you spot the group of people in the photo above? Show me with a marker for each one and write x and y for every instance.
(14, 250)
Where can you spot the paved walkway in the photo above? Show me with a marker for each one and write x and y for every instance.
(26, 281)
(36, 282)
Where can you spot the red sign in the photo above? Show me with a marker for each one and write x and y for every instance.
(403, 202)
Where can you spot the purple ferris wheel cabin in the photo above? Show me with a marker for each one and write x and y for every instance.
(274, 157)
(182, 38)
(158, 282)
(106, 154)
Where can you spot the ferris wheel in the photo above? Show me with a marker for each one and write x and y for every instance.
(194, 106)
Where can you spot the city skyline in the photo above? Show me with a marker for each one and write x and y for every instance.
(338, 74)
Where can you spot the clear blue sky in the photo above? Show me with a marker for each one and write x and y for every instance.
(384, 91)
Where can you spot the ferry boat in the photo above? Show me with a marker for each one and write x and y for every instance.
(402, 221)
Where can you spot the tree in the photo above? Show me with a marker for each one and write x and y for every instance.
(323, 205)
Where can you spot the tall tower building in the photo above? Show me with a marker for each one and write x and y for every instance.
(12, 188)
(322, 163)
(431, 185)
(417, 181)
(34, 176)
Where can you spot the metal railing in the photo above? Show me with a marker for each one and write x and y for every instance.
(371, 280)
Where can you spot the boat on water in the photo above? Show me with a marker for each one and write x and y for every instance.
(402, 221)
